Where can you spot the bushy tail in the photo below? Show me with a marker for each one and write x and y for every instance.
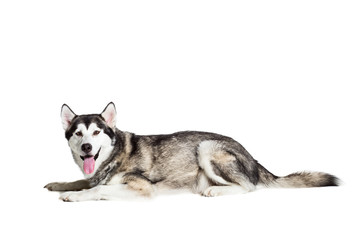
(306, 180)
(298, 179)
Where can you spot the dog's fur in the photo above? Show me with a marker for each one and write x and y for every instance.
(129, 165)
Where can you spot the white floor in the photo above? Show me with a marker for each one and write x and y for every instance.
(327, 213)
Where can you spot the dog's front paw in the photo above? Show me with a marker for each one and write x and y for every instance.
(79, 196)
(69, 197)
(55, 186)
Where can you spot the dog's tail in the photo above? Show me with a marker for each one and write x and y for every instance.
(298, 179)
(306, 180)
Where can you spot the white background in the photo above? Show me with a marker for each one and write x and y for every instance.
(281, 77)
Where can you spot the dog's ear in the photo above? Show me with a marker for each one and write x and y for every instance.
(109, 114)
(67, 115)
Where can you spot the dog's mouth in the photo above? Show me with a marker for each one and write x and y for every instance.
(89, 162)
(89, 156)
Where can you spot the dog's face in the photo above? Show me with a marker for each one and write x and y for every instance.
(91, 137)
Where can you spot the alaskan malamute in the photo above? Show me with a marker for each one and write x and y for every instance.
(118, 164)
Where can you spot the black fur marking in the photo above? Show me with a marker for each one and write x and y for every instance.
(87, 120)
(73, 126)
(247, 167)
(265, 176)
(134, 145)
(252, 174)
(158, 139)
(331, 181)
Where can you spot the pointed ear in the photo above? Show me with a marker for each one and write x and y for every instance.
(67, 115)
(109, 114)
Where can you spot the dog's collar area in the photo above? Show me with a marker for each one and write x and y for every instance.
(89, 156)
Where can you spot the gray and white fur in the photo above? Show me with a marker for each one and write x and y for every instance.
(127, 165)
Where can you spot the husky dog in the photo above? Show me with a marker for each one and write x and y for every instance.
(118, 164)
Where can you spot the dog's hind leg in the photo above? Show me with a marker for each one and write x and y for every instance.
(224, 168)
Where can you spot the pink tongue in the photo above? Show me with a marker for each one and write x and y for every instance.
(89, 165)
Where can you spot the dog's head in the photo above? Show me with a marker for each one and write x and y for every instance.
(91, 137)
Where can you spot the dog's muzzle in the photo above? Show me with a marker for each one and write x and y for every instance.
(89, 156)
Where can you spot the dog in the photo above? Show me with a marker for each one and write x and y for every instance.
(119, 164)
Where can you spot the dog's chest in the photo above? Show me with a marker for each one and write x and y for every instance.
(115, 179)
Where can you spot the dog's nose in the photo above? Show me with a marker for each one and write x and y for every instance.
(86, 148)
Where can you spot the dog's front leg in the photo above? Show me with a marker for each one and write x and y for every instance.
(84, 195)
(101, 192)
(68, 186)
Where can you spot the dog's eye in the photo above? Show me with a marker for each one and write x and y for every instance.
(96, 133)
(79, 134)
